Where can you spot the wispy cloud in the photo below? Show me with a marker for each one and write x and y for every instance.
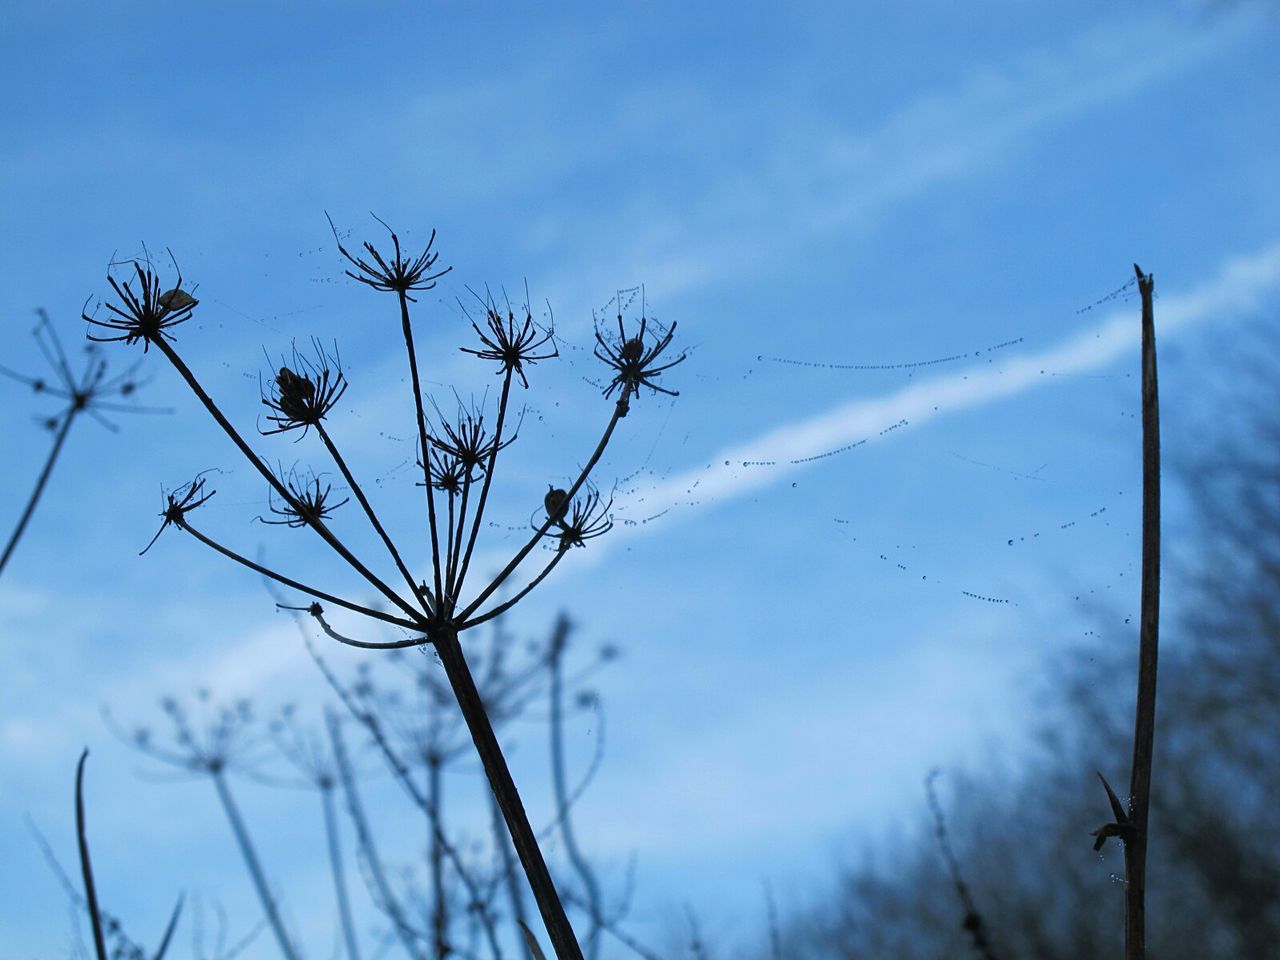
(1239, 285)
(814, 178)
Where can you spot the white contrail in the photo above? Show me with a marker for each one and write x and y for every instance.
(1239, 285)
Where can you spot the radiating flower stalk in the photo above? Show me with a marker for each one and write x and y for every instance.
(458, 461)
(92, 391)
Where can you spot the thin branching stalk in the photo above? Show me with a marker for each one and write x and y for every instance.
(276, 484)
(1135, 848)
(595, 908)
(59, 438)
(424, 442)
(245, 843)
(296, 585)
(364, 836)
(339, 875)
(301, 398)
(369, 512)
(484, 487)
(619, 412)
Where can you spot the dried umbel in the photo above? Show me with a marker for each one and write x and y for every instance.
(86, 390)
(458, 461)
(304, 392)
(635, 361)
(311, 502)
(511, 344)
(144, 314)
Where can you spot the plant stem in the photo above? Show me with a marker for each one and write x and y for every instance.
(86, 869)
(1135, 848)
(317, 525)
(618, 414)
(502, 840)
(364, 836)
(440, 904)
(294, 584)
(563, 940)
(484, 487)
(559, 637)
(40, 482)
(424, 441)
(339, 878)
(369, 512)
(255, 867)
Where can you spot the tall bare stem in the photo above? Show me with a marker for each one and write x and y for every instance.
(1135, 847)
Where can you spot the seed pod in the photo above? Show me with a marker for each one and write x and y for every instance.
(176, 299)
(556, 501)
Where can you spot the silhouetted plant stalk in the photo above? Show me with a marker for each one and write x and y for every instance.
(383, 894)
(225, 741)
(101, 923)
(1130, 825)
(973, 923)
(454, 458)
(403, 775)
(314, 761)
(83, 393)
(595, 908)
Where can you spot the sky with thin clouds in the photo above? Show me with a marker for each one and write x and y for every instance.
(900, 479)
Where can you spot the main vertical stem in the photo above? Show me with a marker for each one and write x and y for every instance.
(563, 940)
(1144, 728)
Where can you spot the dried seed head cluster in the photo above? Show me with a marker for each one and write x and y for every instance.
(309, 502)
(458, 461)
(511, 344)
(457, 455)
(585, 520)
(144, 314)
(397, 273)
(178, 503)
(635, 361)
(468, 443)
(304, 391)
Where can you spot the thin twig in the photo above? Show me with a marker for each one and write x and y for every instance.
(58, 440)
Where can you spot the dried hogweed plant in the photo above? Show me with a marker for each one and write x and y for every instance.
(458, 461)
(213, 740)
(91, 391)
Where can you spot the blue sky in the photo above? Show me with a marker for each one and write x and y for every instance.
(803, 191)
